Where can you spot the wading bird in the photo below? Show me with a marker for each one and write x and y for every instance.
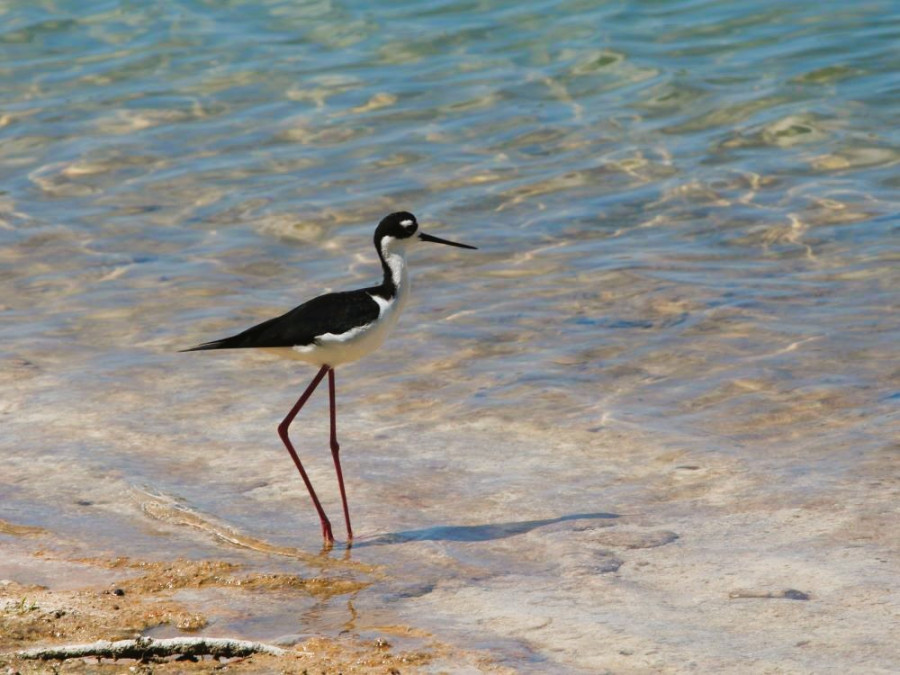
(338, 328)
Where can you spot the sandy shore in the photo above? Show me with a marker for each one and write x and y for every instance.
(672, 561)
(122, 599)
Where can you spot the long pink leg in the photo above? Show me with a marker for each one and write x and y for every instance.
(283, 432)
(335, 452)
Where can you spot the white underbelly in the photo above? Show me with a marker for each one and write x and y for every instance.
(334, 350)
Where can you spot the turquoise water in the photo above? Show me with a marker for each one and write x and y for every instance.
(686, 215)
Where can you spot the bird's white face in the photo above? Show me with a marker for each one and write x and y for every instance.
(396, 246)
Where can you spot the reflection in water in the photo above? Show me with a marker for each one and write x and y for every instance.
(463, 533)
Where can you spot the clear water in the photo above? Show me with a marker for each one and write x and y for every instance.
(683, 314)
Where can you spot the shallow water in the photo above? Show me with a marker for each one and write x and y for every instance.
(669, 371)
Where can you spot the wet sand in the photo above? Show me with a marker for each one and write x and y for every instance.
(121, 599)
(666, 559)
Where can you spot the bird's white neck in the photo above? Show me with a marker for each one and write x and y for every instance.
(393, 260)
(397, 269)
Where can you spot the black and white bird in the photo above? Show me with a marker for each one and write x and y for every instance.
(338, 328)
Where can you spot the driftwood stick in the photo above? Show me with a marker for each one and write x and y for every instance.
(146, 649)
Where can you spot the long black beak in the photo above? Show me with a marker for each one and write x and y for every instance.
(428, 237)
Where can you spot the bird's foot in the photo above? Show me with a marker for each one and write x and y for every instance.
(327, 534)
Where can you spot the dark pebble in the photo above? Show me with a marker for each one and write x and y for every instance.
(792, 594)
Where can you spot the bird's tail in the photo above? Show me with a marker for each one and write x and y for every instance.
(252, 337)
(224, 343)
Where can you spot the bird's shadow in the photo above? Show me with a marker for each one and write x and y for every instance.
(473, 533)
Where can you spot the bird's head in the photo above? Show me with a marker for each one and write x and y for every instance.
(397, 231)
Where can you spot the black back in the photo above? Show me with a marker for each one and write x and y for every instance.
(331, 313)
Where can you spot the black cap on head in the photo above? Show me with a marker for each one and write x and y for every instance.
(399, 225)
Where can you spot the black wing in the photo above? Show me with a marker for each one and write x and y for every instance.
(331, 313)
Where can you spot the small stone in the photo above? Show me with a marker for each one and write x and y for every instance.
(607, 563)
(793, 594)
